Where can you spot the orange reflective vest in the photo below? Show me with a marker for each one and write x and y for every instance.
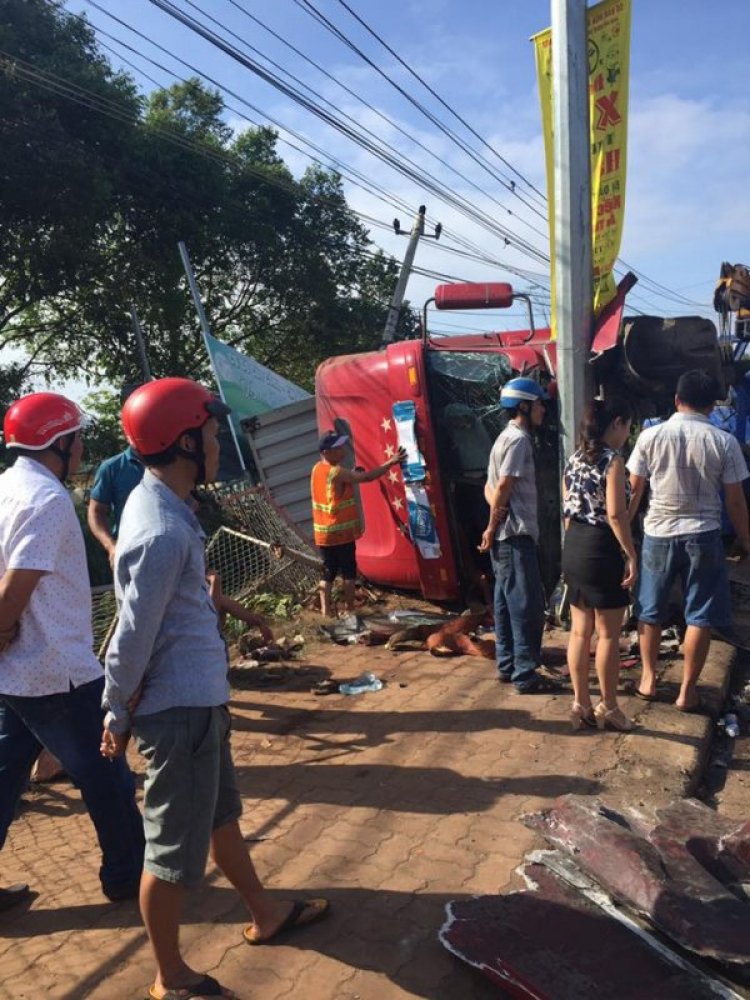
(335, 515)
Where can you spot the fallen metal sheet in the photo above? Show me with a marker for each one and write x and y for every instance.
(719, 844)
(658, 878)
(551, 943)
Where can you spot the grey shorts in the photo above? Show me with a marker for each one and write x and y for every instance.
(190, 790)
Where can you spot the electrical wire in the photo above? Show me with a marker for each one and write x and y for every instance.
(397, 162)
(438, 98)
(507, 183)
(346, 171)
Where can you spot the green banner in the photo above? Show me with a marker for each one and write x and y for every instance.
(248, 386)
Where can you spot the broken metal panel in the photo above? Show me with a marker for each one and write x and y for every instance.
(551, 943)
(659, 878)
(284, 444)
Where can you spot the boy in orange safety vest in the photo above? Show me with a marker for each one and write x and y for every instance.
(336, 521)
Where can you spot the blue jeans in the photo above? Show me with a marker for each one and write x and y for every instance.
(519, 610)
(70, 727)
(698, 560)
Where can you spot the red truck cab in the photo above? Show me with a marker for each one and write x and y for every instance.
(454, 384)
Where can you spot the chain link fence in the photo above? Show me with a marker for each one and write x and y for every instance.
(253, 546)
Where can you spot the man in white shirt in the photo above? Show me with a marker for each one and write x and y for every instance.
(50, 680)
(687, 462)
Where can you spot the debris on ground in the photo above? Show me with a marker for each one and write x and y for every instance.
(589, 915)
(552, 943)
(365, 683)
(283, 648)
(379, 629)
(681, 870)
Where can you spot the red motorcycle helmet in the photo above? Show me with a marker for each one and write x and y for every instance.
(157, 413)
(36, 421)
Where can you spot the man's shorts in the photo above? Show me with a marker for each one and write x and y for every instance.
(698, 560)
(339, 559)
(190, 790)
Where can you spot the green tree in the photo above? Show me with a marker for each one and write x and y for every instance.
(286, 271)
(104, 436)
(60, 168)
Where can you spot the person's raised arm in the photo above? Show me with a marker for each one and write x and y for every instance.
(368, 475)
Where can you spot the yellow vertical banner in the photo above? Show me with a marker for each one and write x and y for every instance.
(609, 71)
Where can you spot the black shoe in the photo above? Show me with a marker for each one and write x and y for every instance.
(541, 685)
(118, 892)
(13, 895)
(503, 678)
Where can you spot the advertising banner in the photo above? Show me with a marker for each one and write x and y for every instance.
(248, 386)
(609, 67)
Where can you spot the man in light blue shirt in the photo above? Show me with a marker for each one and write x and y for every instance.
(168, 656)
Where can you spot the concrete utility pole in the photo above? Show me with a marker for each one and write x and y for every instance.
(417, 230)
(572, 222)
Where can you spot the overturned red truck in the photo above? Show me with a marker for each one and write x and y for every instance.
(422, 527)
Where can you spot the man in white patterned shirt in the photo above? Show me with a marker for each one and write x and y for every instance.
(50, 680)
(687, 462)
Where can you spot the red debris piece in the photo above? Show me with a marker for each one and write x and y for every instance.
(551, 943)
(669, 878)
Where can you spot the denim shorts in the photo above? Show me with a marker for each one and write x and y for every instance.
(190, 790)
(698, 560)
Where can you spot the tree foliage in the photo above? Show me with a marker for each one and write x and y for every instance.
(96, 200)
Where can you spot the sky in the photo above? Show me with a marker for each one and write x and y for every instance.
(688, 142)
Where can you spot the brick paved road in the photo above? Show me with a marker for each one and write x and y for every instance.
(390, 803)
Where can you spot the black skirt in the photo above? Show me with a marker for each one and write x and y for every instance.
(593, 567)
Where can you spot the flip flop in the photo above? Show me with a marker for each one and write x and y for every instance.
(645, 697)
(207, 987)
(296, 919)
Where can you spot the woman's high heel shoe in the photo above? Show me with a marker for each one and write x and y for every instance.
(612, 718)
(580, 717)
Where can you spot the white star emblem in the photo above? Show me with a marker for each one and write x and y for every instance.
(386, 424)
(390, 451)
(398, 503)
(393, 476)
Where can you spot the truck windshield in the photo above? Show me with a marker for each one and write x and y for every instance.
(465, 398)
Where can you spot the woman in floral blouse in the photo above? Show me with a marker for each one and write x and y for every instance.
(599, 561)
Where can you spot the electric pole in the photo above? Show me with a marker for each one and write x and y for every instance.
(417, 230)
(572, 221)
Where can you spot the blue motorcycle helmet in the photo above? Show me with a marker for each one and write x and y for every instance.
(521, 390)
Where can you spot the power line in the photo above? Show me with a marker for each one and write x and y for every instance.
(363, 183)
(438, 98)
(310, 7)
(357, 124)
(384, 117)
(397, 162)
(478, 252)
(510, 185)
